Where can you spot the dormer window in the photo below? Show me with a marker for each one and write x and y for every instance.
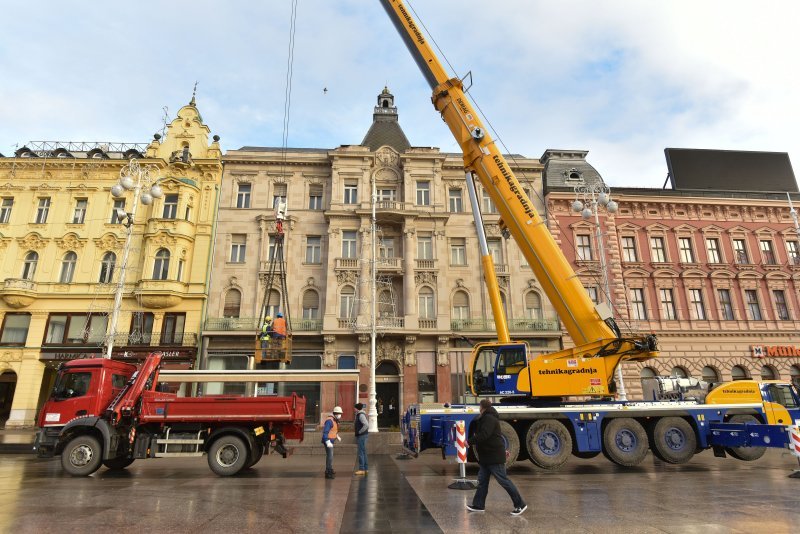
(97, 155)
(573, 175)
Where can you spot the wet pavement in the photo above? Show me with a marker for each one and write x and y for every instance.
(182, 495)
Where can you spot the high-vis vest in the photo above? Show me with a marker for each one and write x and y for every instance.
(334, 431)
(279, 326)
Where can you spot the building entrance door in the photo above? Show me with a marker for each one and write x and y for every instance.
(8, 383)
(387, 394)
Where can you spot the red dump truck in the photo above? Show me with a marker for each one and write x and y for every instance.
(106, 412)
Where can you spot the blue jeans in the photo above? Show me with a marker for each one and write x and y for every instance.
(328, 459)
(362, 451)
(498, 471)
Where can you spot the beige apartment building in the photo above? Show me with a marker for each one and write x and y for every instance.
(62, 247)
(432, 302)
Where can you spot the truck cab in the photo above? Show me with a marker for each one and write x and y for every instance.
(496, 368)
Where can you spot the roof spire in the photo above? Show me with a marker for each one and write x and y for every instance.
(194, 93)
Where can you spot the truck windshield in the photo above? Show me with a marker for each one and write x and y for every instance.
(782, 394)
(70, 385)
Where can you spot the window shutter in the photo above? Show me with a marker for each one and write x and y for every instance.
(310, 299)
(460, 300)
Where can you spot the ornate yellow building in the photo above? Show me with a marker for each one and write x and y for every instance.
(62, 246)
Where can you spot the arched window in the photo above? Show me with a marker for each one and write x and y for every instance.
(794, 372)
(679, 372)
(311, 305)
(107, 266)
(647, 372)
(645, 378)
(710, 374)
(387, 367)
(739, 373)
(233, 302)
(347, 303)
(769, 373)
(29, 267)
(161, 265)
(274, 303)
(427, 306)
(68, 267)
(533, 305)
(460, 306)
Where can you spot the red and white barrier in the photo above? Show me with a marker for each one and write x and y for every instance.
(461, 443)
(794, 440)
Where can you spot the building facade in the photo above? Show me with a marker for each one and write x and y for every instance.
(431, 299)
(62, 246)
(714, 273)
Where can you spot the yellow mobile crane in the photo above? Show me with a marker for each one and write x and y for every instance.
(506, 367)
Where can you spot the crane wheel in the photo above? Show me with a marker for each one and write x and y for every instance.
(746, 454)
(255, 455)
(511, 441)
(625, 442)
(549, 444)
(227, 455)
(82, 456)
(673, 440)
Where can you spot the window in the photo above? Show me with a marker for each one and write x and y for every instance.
(15, 329)
(697, 304)
(495, 247)
(141, 331)
(780, 305)
(75, 329)
(187, 214)
(386, 247)
(792, 249)
(350, 193)
(313, 249)
(274, 302)
(455, 201)
(238, 248)
(386, 195)
(753, 307)
(629, 249)
(594, 294)
(768, 373)
(170, 207)
(767, 252)
(310, 304)
(243, 195)
(638, 310)
(740, 251)
(725, 304)
(533, 305)
(427, 308)
(43, 210)
(233, 303)
(658, 250)
(346, 303)
(583, 246)
(425, 248)
(79, 215)
(685, 246)
(119, 204)
(107, 265)
(738, 373)
(710, 374)
(458, 251)
(29, 265)
(349, 244)
(423, 193)
(315, 197)
(72, 385)
(68, 267)
(487, 203)
(5, 210)
(712, 247)
(346, 362)
(172, 328)
(278, 195)
(667, 305)
(679, 372)
(179, 274)
(161, 265)
(271, 248)
(460, 306)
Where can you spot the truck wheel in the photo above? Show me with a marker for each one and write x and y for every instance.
(255, 455)
(82, 456)
(227, 455)
(674, 440)
(625, 442)
(511, 441)
(549, 444)
(747, 454)
(120, 462)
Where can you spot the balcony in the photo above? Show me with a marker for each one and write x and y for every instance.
(515, 325)
(391, 323)
(427, 265)
(346, 264)
(392, 264)
(427, 324)
(158, 294)
(179, 227)
(264, 266)
(18, 292)
(233, 324)
(163, 339)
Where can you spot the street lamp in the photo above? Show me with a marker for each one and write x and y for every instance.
(144, 184)
(589, 199)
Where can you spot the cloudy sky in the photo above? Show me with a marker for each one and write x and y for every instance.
(622, 79)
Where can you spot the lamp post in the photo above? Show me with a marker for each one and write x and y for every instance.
(143, 182)
(373, 410)
(589, 199)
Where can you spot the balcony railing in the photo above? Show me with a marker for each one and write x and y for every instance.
(251, 323)
(426, 264)
(346, 263)
(140, 339)
(19, 283)
(516, 325)
(389, 205)
(427, 324)
(346, 322)
(390, 322)
(390, 264)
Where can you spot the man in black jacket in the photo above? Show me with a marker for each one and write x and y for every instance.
(491, 452)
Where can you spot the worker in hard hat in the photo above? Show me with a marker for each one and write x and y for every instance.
(279, 327)
(330, 434)
(266, 332)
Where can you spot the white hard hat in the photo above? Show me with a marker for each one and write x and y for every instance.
(337, 409)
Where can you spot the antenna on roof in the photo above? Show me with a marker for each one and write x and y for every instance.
(194, 93)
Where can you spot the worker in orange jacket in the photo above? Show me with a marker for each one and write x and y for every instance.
(330, 433)
(279, 327)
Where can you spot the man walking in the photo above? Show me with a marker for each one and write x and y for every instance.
(330, 432)
(362, 432)
(491, 450)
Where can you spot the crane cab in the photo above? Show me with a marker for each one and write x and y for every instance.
(496, 368)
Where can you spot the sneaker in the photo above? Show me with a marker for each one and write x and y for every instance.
(474, 509)
(360, 472)
(519, 511)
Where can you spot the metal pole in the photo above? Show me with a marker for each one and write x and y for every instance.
(373, 412)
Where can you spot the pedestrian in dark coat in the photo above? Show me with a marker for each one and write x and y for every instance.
(491, 451)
